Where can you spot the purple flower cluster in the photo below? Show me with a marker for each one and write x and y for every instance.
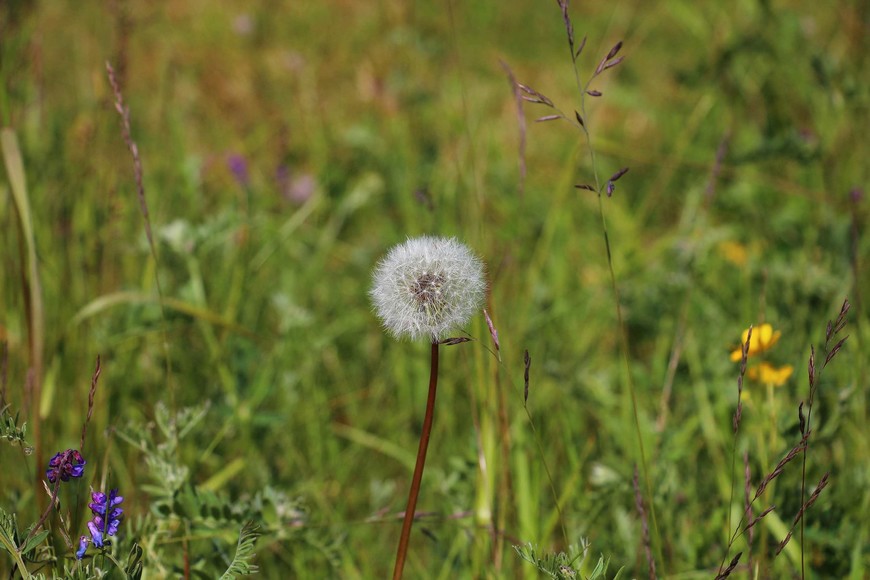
(64, 465)
(107, 518)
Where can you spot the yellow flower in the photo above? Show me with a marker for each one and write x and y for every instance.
(734, 252)
(763, 337)
(770, 375)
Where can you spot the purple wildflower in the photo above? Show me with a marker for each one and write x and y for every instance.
(106, 520)
(83, 546)
(64, 465)
(239, 168)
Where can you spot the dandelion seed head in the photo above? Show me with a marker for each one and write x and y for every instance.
(427, 287)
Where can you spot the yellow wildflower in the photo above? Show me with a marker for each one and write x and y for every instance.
(768, 374)
(763, 337)
(734, 252)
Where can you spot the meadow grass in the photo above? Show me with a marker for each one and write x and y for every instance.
(249, 408)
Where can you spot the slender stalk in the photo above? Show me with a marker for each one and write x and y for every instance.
(402, 552)
(623, 335)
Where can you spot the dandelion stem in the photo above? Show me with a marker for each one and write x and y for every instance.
(418, 468)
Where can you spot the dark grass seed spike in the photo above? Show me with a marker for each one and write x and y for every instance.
(755, 520)
(528, 362)
(799, 516)
(97, 371)
(593, 93)
(580, 49)
(569, 27)
(841, 318)
(777, 471)
(614, 50)
(727, 571)
(454, 341)
(534, 96)
(606, 63)
(743, 358)
(834, 351)
(492, 331)
(619, 174)
(585, 186)
(613, 63)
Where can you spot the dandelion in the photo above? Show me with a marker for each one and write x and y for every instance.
(762, 339)
(65, 465)
(425, 288)
(106, 520)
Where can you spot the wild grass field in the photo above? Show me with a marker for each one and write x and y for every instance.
(216, 253)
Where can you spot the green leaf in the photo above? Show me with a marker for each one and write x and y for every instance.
(241, 566)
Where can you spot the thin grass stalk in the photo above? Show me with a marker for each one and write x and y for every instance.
(623, 335)
(528, 364)
(484, 416)
(402, 551)
(30, 280)
(504, 484)
(609, 61)
(126, 133)
(738, 414)
(814, 375)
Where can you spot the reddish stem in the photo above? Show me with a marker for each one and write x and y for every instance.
(418, 468)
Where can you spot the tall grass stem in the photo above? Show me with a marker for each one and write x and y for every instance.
(126, 132)
(30, 280)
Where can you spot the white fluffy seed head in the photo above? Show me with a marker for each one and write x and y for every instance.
(427, 287)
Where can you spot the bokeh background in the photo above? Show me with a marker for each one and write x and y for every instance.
(286, 146)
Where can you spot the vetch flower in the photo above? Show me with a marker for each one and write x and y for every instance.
(83, 547)
(64, 465)
(763, 337)
(106, 520)
(768, 374)
(427, 287)
(239, 168)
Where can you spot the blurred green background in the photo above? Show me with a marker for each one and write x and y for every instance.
(286, 146)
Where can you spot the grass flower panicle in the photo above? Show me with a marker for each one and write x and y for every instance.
(65, 465)
(426, 287)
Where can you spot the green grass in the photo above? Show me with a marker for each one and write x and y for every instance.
(313, 413)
